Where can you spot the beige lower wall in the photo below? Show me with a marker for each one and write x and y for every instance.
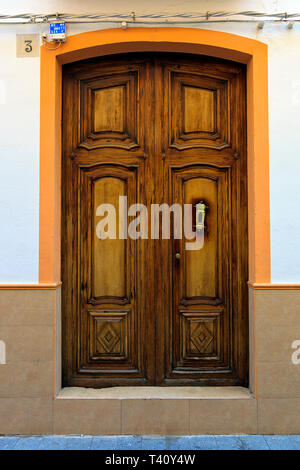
(30, 379)
(277, 326)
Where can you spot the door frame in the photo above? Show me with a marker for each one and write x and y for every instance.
(187, 40)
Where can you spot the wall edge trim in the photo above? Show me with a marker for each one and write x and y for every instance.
(270, 286)
(40, 286)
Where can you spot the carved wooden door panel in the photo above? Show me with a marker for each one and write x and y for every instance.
(156, 129)
(107, 283)
(203, 156)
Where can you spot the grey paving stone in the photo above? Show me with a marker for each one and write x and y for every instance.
(229, 442)
(295, 441)
(192, 443)
(8, 443)
(253, 442)
(53, 443)
(153, 443)
(202, 443)
(179, 443)
(225, 442)
(78, 442)
(29, 443)
(116, 443)
(280, 443)
(66, 443)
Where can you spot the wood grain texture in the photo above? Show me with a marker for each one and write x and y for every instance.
(158, 128)
(108, 253)
(199, 109)
(201, 265)
(109, 104)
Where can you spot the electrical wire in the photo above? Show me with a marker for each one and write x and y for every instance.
(154, 18)
(51, 48)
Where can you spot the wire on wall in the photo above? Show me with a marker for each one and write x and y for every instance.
(155, 18)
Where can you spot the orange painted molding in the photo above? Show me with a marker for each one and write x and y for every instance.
(270, 286)
(49, 286)
(186, 40)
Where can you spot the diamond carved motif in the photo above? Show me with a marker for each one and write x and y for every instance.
(108, 337)
(200, 332)
(201, 337)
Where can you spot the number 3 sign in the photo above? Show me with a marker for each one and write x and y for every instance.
(28, 45)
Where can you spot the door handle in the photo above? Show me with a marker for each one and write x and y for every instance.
(200, 215)
(178, 256)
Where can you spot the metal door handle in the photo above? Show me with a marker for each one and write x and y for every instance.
(200, 215)
(178, 256)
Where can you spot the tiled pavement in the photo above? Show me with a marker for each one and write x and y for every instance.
(218, 442)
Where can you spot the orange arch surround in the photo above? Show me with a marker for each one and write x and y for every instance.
(196, 41)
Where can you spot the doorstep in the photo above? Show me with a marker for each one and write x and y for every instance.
(127, 393)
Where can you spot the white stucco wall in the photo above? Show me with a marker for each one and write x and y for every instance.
(19, 127)
(19, 163)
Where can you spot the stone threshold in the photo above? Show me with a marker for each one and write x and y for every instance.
(148, 393)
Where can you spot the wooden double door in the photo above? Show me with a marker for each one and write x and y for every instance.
(154, 129)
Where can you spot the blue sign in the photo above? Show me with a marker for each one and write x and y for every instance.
(57, 28)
